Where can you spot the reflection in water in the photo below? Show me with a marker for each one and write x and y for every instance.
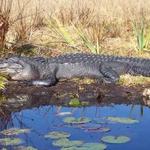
(40, 114)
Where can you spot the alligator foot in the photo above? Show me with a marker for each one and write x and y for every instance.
(43, 82)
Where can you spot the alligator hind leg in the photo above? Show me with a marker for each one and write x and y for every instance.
(109, 75)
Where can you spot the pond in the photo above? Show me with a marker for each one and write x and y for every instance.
(85, 127)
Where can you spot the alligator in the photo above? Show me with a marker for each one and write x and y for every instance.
(47, 71)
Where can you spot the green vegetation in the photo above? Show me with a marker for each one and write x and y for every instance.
(10, 141)
(63, 142)
(57, 135)
(122, 120)
(142, 35)
(3, 81)
(14, 131)
(73, 120)
(115, 139)
(77, 103)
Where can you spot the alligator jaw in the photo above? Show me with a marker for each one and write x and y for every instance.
(9, 68)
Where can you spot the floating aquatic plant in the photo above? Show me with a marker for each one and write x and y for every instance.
(57, 135)
(74, 102)
(77, 120)
(25, 148)
(64, 142)
(10, 141)
(87, 146)
(115, 139)
(14, 131)
(122, 120)
(77, 103)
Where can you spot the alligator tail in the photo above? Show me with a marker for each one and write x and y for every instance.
(136, 70)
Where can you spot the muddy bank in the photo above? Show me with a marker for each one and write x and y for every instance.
(21, 95)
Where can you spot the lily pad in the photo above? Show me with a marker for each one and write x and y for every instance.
(80, 120)
(90, 127)
(24, 148)
(115, 139)
(71, 148)
(10, 141)
(77, 103)
(88, 146)
(123, 120)
(67, 143)
(14, 131)
(74, 102)
(98, 129)
(57, 135)
(95, 146)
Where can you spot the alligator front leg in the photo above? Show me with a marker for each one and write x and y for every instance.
(50, 81)
(109, 75)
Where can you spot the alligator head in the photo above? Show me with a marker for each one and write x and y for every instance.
(18, 69)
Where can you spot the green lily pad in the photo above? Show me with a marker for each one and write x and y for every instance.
(101, 129)
(67, 143)
(24, 148)
(95, 146)
(57, 135)
(14, 131)
(71, 148)
(123, 120)
(74, 102)
(10, 141)
(115, 139)
(88, 146)
(77, 120)
(77, 103)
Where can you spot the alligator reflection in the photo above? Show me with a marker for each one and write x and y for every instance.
(18, 102)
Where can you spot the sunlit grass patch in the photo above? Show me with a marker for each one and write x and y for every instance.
(129, 80)
(83, 80)
(3, 81)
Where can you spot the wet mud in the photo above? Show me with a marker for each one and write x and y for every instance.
(60, 94)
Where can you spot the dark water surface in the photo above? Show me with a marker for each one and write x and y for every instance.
(44, 119)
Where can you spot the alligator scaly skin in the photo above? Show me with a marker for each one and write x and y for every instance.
(47, 71)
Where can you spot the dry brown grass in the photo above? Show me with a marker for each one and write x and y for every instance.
(106, 25)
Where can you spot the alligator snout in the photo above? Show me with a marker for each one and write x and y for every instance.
(10, 64)
(8, 67)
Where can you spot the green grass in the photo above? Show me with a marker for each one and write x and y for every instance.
(3, 81)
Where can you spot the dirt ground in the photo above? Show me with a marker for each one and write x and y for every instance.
(94, 92)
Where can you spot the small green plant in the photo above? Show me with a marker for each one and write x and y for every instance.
(95, 49)
(62, 31)
(142, 35)
(2, 82)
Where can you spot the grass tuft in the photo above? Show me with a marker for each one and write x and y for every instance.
(128, 80)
